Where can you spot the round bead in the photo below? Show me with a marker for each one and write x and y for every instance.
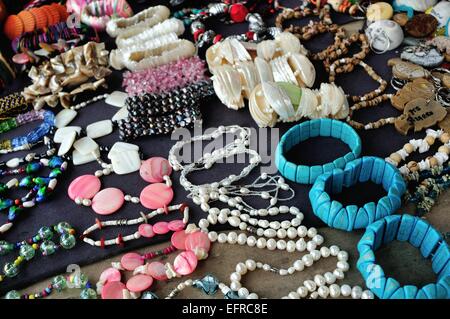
(113, 290)
(27, 252)
(139, 283)
(108, 201)
(88, 293)
(154, 169)
(131, 261)
(161, 228)
(178, 239)
(157, 270)
(67, 241)
(110, 274)
(85, 186)
(156, 196)
(146, 230)
(185, 263)
(238, 12)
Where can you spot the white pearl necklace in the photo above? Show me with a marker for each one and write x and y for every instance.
(288, 235)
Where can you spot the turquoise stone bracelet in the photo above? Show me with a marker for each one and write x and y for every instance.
(375, 169)
(421, 235)
(320, 127)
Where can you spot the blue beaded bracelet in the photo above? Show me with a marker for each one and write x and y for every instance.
(375, 169)
(320, 127)
(419, 234)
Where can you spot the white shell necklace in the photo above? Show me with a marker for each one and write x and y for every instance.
(288, 235)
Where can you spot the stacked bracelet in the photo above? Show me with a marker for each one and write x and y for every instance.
(419, 234)
(320, 127)
(375, 169)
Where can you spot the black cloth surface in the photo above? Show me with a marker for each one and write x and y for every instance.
(59, 207)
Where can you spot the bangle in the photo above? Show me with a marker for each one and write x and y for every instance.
(360, 170)
(320, 127)
(419, 234)
(97, 13)
(27, 141)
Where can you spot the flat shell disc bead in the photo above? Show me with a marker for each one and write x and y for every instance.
(109, 275)
(185, 263)
(139, 283)
(85, 186)
(156, 196)
(179, 240)
(113, 290)
(131, 261)
(154, 169)
(146, 230)
(161, 228)
(157, 270)
(176, 225)
(108, 201)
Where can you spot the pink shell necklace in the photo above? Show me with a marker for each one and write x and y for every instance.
(195, 246)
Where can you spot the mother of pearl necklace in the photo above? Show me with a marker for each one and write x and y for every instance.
(264, 233)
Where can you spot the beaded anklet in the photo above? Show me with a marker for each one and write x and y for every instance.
(422, 145)
(60, 283)
(43, 240)
(419, 234)
(32, 138)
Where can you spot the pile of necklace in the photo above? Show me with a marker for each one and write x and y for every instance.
(43, 241)
(263, 232)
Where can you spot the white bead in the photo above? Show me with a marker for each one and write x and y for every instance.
(291, 270)
(235, 285)
(302, 291)
(294, 295)
(252, 296)
(296, 222)
(320, 280)
(281, 245)
(325, 251)
(291, 232)
(86, 202)
(212, 236)
(314, 295)
(243, 292)
(263, 223)
(308, 260)
(310, 285)
(265, 195)
(357, 292)
(223, 218)
(273, 211)
(271, 244)
(339, 274)
(263, 212)
(367, 294)
(335, 291)
(270, 233)
(312, 232)
(234, 221)
(290, 246)
(346, 290)
(251, 264)
(334, 250)
(300, 245)
(342, 255)
(203, 223)
(285, 224)
(235, 276)
(315, 255)
(294, 210)
(318, 239)
(135, 200)
(232, 237)
(261, 243)
(299, 265)
(260, 232)
(330, 278)
(302, 231)
(281, 233)
(251, 241)
(241, 268)
(222, 238)
(275, 225)
(283, 272)
(323, 291)
(242, 239)
(266, 267)
(204, 207)
(284, 209)
(343, 265)
(310, 245)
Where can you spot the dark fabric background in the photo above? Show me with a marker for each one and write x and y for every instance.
(379, 142)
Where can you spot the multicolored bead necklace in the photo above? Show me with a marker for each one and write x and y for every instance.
(60, 283)
(42, 241)
(40, 188)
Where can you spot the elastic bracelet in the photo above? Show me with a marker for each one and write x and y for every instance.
(421, 235)
(98, 13)
(303, 174)
(367, 168)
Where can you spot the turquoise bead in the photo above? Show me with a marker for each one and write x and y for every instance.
(63, 227)
(67, 241)
(207, 284)
(45, 232)
(88, 293)
(10, 270)
(27, 252)
(149, 295)
(59, 283)
(5, 248)
(48, 248)
(13, 294)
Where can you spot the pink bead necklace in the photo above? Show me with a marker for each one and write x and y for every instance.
(195, 246)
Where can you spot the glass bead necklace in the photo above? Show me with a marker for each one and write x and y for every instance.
(60, 283)
(43, 241)
(265, 231)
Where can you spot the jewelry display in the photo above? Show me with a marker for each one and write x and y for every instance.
(98, 13)
(12, 105)
(419, 234)
(90, 62)
(26, 142)
(155, 114)
(130, 26)
(60, 283)
(165, 78)
(145, 229)
(195, 246)
(361, 170)
(320, 127)
(44, 241)
(422, 146)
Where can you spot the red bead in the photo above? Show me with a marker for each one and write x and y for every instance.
(238, 12)
(249, 35)
(197, 33)
(217, 38)
(102, 242)
(17, 201)
(120, 239)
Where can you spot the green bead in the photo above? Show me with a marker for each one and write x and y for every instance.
(5, 247)
(55, 173)
(3, 188)
(293, 91)
(67, 241)
(48, 248)
(32, 168)
(10, 270)
(59, 283)
(88, 293)
(45, 232)
(13, 294)
(63, 227)
(27, 252)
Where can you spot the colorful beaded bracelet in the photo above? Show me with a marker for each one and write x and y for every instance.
(351, 217)
(419, 234)
(319, 127)
(27, 141)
